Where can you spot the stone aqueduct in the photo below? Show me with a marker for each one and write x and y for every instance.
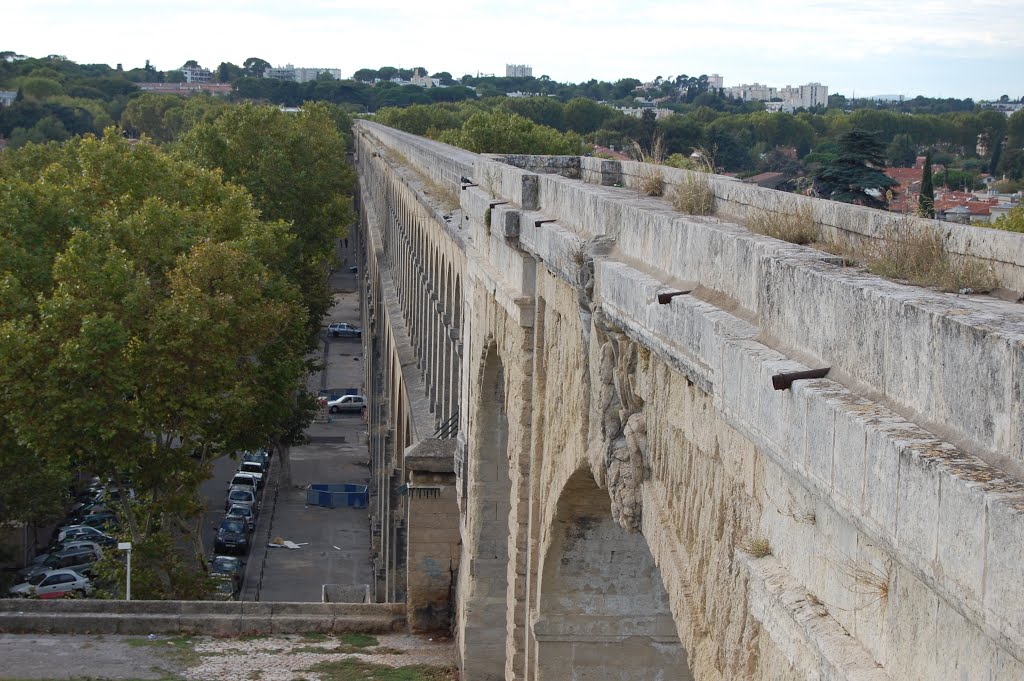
(586, 484)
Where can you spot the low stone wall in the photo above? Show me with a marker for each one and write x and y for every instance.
(214, 618)
(841, 223)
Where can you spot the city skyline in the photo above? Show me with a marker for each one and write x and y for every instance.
(942, 50)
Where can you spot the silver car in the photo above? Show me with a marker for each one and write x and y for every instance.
(52, 584)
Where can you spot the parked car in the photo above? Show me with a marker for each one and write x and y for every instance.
(347, 404)
(78, 558)
(244, 480)
(71, 532)
(344, 330)
(254, 469)
(244, 512)
(52, 584)
(232, 536)
(259, 456)
(245, 496)
(228, 567)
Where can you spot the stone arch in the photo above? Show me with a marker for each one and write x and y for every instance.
(602, 609)
(483, 571)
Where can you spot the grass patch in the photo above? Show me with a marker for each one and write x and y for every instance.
(177, 649)
(795, 225)
(314, 636)
(359, 640)
(357, 670)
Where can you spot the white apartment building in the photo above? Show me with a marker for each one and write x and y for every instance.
(792, 97)
(299, 74)
(196, 74)
(518, 71)
(806, 96)
(754, 92)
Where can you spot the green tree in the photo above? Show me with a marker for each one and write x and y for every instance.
(504, 132)
(228, 72)
(1013, 221)
(926, 200)
(294, 166)
(40, 89)
(162, 316)
(255, 67)
(902, 153)
(585, 116)
(147, 115)
(855, 175)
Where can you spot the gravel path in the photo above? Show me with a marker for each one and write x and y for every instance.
(201, 658)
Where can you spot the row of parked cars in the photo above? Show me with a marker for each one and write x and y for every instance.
(235, 530)
(77, 544)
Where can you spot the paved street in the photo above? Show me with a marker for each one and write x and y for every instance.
(335, 542)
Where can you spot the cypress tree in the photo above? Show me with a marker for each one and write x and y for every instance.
(926, 201)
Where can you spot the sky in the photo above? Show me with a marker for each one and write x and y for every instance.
(971, 48)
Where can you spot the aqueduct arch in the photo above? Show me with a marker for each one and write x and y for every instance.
(483, 587)
(603, 612)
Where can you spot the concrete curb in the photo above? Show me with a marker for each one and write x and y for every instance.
(210, 618)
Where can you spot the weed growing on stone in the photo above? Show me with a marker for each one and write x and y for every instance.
(758, 547)
(446, 196)
(864, 579)
(650, 178)
(917, 254)
(490, 181)
(817, 605)
(797, 511)
(696, 196)
(796, 224)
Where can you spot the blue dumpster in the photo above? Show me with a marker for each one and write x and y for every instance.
(331, 495)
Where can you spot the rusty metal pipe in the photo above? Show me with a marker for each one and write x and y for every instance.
(784, 381)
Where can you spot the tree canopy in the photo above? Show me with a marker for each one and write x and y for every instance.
(855, 175)
(147, 302)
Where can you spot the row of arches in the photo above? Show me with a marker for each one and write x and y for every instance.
(426, 265)
(600, 609)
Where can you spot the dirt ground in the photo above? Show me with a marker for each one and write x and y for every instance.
(312, 657)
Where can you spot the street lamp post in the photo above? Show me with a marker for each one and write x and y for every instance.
(127, 546)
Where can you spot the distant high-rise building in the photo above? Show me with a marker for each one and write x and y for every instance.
(715, 82)
(789, 98)
(518, 71)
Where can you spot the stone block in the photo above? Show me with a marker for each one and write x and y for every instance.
(819, 431)
(881, 474)
(961, 536)
(142, 625)
(210, 625)
(1004, 557)
(917, 520)
(913, 645)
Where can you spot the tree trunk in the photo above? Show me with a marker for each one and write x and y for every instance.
(285, 454)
